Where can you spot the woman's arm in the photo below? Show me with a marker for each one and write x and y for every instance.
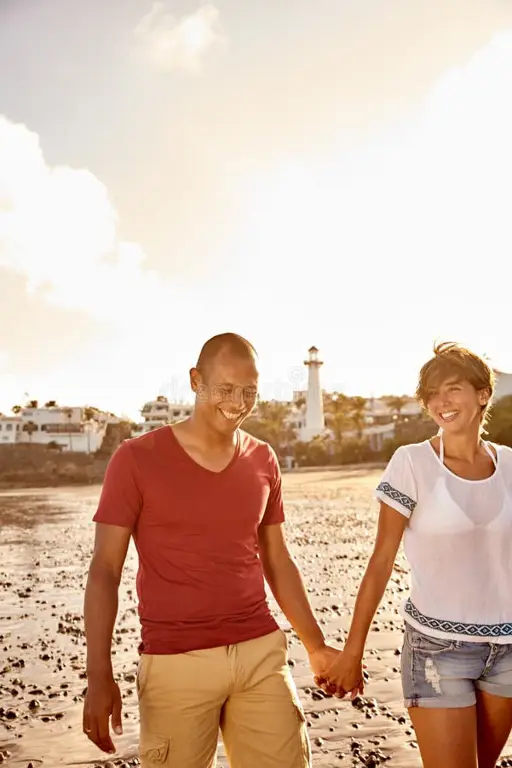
(346, 673)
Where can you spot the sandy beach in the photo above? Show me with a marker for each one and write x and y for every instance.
(45, 546)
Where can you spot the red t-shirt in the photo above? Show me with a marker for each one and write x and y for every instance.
(200, 581)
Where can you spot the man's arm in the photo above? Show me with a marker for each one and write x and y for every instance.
(101, 596)
(285, 581)
(103, 698)
(119, 507)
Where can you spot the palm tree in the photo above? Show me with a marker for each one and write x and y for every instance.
(358, 414)
(51, 404)
(16, 409)
(396, 403)
(90, 412)
(337, 416)
(69, 414)
(30, 427)
(271, 424)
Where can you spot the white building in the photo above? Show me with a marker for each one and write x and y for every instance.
(64, 426)
(157, 413)
(378, 411)
(377, 434)
(9, 429)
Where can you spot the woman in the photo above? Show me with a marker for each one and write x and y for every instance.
(452, 496)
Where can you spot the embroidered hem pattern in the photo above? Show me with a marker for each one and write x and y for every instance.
(458, 627)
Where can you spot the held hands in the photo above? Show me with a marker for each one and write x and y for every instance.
(337, 672)
(102, 701)
(321, 660)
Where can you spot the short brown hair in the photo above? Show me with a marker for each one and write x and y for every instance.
(452, 360)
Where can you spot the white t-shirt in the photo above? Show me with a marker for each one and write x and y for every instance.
(458, 542)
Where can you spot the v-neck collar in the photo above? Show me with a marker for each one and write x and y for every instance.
(196, 464)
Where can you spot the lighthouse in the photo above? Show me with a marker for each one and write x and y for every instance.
(315, 422)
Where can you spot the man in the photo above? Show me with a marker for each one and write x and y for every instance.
(202, 500)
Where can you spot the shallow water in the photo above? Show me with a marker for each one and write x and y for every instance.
(45, 546)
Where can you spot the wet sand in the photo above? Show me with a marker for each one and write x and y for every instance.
(45, 546)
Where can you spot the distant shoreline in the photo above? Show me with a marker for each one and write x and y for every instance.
(26, 485)
(24, 467)
(72, 476)
(35, 466)
(365, 465)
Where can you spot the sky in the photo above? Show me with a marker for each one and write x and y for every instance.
(336, 174)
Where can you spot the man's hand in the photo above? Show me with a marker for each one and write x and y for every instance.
(344, 676)
(102, 701)
(321, 660)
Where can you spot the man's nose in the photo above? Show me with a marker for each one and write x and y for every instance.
(237, 397)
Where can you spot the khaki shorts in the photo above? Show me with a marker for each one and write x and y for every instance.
(246, 691)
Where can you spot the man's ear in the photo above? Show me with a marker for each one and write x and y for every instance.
(195, 379)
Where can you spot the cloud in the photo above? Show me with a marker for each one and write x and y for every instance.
(36, 335)
(97, 322)
(326, 83)
(407, 236)
(58, 229)
(173, 44)
(351, 245)
(337, 77)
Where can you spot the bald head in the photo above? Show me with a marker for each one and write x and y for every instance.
(225, 381)
(225, 345)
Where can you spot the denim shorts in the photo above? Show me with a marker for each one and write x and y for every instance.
(446, 673)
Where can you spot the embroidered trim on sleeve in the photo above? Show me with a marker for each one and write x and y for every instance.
(402, 498)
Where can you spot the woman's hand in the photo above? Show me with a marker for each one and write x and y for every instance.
(345, 675)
